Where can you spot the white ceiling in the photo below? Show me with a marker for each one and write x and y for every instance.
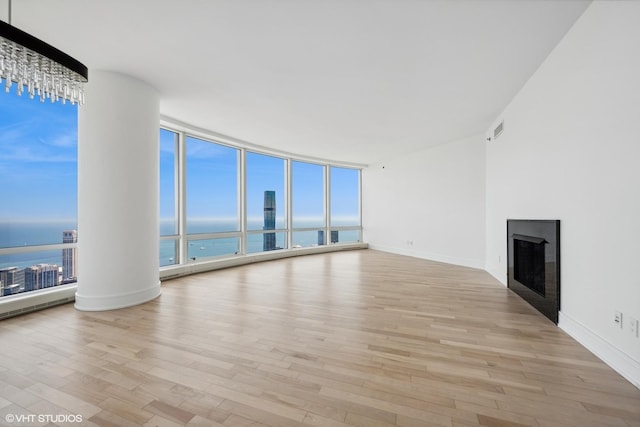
(347, 80)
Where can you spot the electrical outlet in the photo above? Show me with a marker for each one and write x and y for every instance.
(633, 326)
(617, 318)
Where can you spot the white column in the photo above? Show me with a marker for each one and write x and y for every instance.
(118, 243)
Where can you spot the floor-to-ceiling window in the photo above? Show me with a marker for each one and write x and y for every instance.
(308, 204)
(265, 198)
(218, 200)
(38, 181)
(169, 190)
(212, 199)
(345, 205)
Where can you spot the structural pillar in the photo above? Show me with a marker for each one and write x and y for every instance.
(118, 241)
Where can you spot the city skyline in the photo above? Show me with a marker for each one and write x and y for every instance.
(40, 275)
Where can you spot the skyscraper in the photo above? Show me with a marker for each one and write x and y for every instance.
(334, 237)
(12, 279)
(40, 276)
(69, 257)
(269, 239)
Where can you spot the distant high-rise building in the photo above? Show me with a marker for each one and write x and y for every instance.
(12, 279)
(269, 239)
(69, 257)
(334, 237)
(41, 276)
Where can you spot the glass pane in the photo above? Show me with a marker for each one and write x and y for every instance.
(266, 242)
(168, 150)
(207, 248)
(307, 183)
(265, 192)
(168, 251)
(303, 239)
(31, 271)
(38, 171)
(212, 187)
(345, 197)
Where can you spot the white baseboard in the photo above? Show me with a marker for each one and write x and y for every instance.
(496, 275)
(117, 301)
(619, 361)
(464, 262)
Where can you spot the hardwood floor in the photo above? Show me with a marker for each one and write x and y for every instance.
(361, 338)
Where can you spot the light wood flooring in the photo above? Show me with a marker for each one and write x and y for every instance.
(360, 338)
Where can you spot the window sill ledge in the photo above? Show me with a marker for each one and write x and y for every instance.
(174, 271)
(26, 302)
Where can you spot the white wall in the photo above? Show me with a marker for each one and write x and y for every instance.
(429, 204)
(571, 151)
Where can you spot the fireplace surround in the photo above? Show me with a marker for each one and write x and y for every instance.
(533, 259)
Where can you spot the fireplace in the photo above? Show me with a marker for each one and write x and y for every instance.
(533, 259)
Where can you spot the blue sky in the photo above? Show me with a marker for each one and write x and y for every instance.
(38, 159)
(38, 171)
(264, 173)
(212, 185)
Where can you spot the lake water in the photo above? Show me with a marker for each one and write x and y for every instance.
(26, 233)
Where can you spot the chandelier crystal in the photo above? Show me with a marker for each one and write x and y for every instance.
(38, 68)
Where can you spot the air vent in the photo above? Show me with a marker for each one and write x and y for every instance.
(26, 302)
(31, 308)
(498, 130)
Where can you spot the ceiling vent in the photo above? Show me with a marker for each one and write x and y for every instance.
(498, 130)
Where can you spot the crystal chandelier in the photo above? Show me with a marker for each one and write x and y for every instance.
(39, 68)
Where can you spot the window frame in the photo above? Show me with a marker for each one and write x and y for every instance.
(44, 246)
(182, 239)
